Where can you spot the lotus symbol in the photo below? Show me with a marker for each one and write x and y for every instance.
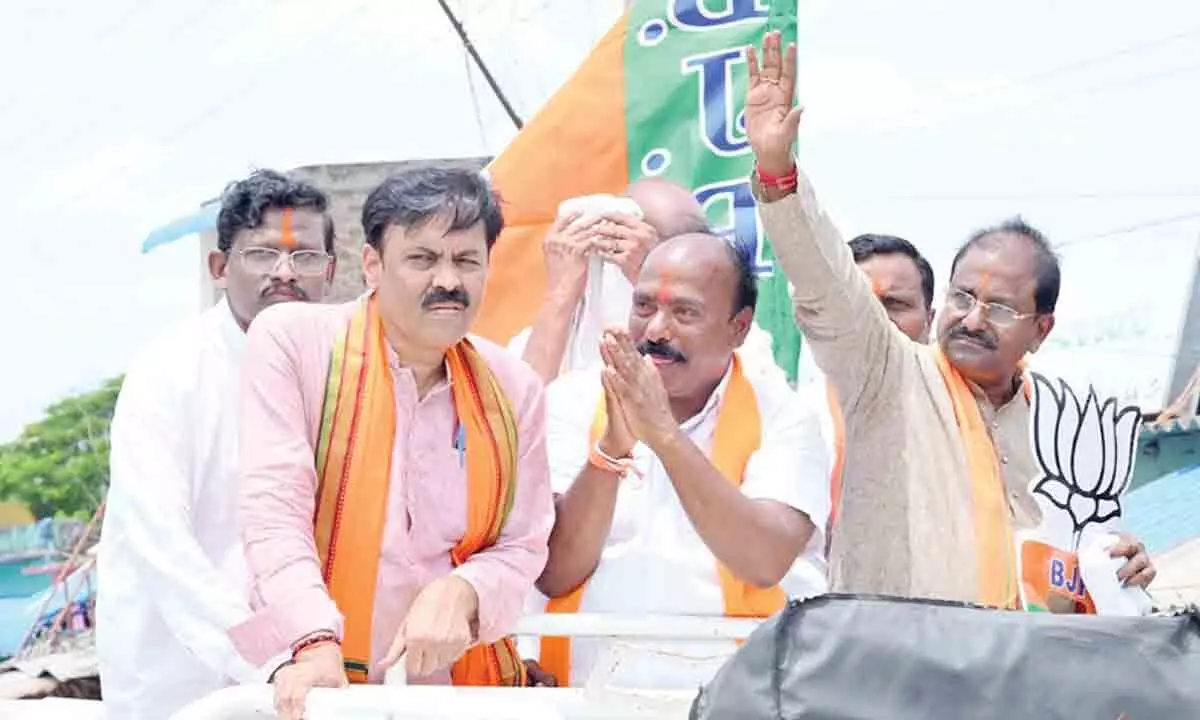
(1085, 452)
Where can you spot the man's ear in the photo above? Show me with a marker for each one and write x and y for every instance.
(741, 323)
(372, 264)
(1044, 324)
(331, 271)
(218, 263)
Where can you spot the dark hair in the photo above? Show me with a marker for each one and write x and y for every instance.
(747, 281)
(244, 203)
(414, 197)
(1046, 264)
(870, 245)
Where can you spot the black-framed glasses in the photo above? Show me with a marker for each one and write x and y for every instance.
(303, 262)
(995, 314)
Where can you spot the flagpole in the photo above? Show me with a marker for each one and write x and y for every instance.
(487, 75)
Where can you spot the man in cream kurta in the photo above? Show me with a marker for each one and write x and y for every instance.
(658, 548)
(906, 524)
(174, 580)
(903, 282)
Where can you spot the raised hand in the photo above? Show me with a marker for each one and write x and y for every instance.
(771, 120)
(638, 388)
(625, 241)
(566, 249)
(618, 439)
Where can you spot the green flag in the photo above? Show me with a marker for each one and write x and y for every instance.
(685, 88)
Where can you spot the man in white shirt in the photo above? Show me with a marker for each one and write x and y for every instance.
(173, 578)
(686, 485)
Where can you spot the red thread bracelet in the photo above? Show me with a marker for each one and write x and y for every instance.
(782, 182)
(319, 638)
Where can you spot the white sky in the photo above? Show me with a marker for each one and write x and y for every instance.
(925, 119)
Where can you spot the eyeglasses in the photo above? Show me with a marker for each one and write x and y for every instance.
(303, 262)
(995, 314)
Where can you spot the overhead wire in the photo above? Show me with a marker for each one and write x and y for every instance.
(1129, 229)
(189, 22)
(1040, 102)
(466, 56)
(222, 103)
(1049, 196)
(1033, 78)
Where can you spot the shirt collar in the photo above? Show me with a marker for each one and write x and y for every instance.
(231, 331)
(712, 404)
(394, 363)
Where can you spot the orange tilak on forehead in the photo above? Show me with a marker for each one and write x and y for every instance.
(287, 238)
(663, 296)
(984, 280)
(876, 287)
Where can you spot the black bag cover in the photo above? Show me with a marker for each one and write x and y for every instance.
(856, 657)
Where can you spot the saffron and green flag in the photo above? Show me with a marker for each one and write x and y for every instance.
(660, 95)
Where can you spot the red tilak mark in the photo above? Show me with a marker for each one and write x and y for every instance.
(984, 281)
(289, 239)
(663, 296)
(876, 287)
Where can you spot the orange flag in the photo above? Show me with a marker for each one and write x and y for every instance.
(575, 145)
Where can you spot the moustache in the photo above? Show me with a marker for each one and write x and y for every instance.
(660, 349)
(285, 289)
(984, 339)
(442, 296)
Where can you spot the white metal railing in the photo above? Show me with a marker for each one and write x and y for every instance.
(395, 701)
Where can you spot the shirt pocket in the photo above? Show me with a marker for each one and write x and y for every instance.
(437, 492)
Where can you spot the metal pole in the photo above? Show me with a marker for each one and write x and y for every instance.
(462, 34)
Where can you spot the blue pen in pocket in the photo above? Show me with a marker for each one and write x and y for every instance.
(460, 442)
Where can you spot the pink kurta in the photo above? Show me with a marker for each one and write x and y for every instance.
(287, 361)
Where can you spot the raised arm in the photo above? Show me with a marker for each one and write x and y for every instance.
(544, 345)
(852, 340)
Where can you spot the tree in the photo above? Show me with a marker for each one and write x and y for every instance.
(59, 465)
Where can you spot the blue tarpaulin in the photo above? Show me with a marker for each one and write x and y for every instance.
(203, 219)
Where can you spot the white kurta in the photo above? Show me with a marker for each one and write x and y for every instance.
(171, 573)
(654, 561)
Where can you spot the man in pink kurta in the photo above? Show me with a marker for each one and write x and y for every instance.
(429, 232)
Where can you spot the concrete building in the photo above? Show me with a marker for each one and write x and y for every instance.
(347, 186)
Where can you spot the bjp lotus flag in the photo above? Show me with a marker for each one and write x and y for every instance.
(661, 95)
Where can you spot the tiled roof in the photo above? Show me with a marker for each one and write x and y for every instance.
(1165, 513)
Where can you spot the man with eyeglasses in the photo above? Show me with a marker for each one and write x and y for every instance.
(938, 457)
(175, 580)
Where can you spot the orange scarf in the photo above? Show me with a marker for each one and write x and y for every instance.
(737, 436)
(994, 548)
(358, 433)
